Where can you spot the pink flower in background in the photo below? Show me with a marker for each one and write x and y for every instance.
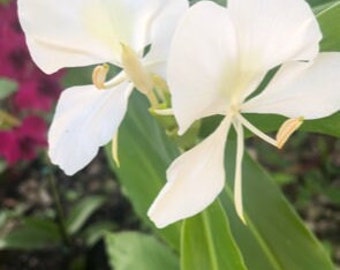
(36, 90)
(23, 142)
(36, 93)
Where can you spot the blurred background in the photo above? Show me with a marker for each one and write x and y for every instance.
(51, 221)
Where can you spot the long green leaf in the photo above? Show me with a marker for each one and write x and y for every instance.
(35, 233)
(275, 238)
(207, 242)
(329, 125)
(274, 226)
(330, 26)
(131, 250)
(82, 211)
(144, 153)
(319, 5)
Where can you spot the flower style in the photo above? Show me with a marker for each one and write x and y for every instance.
(86, 32)
(218, 58)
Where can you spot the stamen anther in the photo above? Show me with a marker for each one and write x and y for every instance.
(99, 75)
(287, 129)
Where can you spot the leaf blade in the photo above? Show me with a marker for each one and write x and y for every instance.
(132, 250)
(207, 242)
(272, 221)
(82, 211)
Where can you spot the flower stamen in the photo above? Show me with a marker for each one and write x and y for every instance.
(238, 171)
(287, 129)
(256, 131)
(99, 75)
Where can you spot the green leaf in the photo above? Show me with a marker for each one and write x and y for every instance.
(131, 250)
(330, 26)
(7, 87)
(275, 238)
(274, 231)
(207, 242)
(317, 5)
(3, 166)
(96, 231)
(145, 153)
(34, 233)
(4, 2)
(82, 211)
(329, 125)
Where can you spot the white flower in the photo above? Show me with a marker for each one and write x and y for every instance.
(86, 32)
(217, 60)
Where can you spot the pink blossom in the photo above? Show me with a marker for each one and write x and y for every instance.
(37, 91)
(22, 143)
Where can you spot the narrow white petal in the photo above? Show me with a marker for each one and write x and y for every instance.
(85, 119)
(202, 63)
(194, 180)
(308, 90)
(273, 32)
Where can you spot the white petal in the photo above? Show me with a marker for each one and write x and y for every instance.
(273, 32)
(162, 28)
(194, 180)
(85, 119)
(83, 32)
(310, 90)
(57, 35)
(202, 63)
(128, 21)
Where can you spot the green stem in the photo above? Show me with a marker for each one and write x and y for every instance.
(60, 212)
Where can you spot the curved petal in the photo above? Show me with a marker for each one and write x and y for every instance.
(126, 21)
(83, 32)
(274, 32)
(85, 119)
(310, 90)
(162, 27)
(194, 180)
(202, 63)
(57, 36)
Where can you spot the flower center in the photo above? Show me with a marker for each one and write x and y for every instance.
(134, 71)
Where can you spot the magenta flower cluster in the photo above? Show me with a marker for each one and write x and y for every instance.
(35, 96)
